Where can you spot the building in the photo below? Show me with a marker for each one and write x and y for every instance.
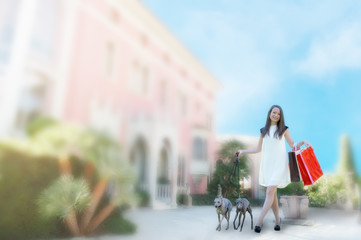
(112, 65)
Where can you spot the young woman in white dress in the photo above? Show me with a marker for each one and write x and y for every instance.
(274, 171)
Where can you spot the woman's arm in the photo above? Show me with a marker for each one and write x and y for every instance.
(291, 143)
(252, 150)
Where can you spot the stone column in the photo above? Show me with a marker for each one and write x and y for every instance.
(15, 73)
(66, 42)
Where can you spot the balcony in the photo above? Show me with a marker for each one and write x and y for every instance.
(199, 167)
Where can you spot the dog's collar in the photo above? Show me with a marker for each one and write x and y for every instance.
(219, 211)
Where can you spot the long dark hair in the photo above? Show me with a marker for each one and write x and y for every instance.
(281, 127)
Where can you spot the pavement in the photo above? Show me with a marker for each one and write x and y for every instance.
(200, 222)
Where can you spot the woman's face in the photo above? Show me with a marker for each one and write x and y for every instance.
(275, 115)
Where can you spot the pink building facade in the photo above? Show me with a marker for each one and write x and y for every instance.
(113, 66)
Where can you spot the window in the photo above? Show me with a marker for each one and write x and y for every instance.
(209, 121)
(32, 102)
(139, 80)
(163, 168)
(109, 60)
(114, 16)
(163, 94)
(8, 15)
(104, 117)
(43, 36)
(182, 105)
(200, 149)
(144, 78)
(181, 180)
(134, 79)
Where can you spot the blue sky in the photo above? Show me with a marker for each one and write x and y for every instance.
(302, 55)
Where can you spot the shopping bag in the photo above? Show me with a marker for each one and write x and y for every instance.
(292, 163)
(309, 167)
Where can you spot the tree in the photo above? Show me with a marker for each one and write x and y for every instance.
(64, 199)
(347, 170)
(224, 168)
(103, 154)
(346, 160)
(103, 165)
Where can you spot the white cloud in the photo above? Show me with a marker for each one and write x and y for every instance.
(333, 52)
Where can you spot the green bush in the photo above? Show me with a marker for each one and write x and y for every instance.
(22, 179)
(181, 199)
(328, 190)
(144, 198)
(117, 224)
(202, 199)
(294, 188)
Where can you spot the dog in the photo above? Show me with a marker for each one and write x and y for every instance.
(224, 208)
(242, 206)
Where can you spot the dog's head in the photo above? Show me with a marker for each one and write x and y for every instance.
(239, 203)
(217, 202)
(242, 203)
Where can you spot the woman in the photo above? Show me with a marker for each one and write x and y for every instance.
(274, 171)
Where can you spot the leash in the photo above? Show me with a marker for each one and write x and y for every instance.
(235, 168)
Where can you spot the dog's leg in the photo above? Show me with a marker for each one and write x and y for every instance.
(244, 217)
(219, 223)
(250, 213)
(239, 219)
(228, 215)
(234, 222)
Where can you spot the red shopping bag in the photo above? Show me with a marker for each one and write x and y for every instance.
(310, 169)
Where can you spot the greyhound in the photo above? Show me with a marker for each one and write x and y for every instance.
(224, 208)
(242, 206)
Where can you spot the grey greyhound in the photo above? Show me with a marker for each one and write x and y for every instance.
(242, 206)
(224, 208)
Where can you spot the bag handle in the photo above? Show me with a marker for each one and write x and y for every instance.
(300, 148)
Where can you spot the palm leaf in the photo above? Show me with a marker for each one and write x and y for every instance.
(65, 195)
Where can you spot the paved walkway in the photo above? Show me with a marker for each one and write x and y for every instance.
(200, 223)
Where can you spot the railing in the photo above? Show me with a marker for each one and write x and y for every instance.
(163, 192)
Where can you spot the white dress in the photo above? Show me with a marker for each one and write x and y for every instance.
(274, 170)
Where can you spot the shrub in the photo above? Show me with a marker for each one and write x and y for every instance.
(181, 199)
(22, 179)
(328, 190)
(143, 197)
(202, 199)
(294, 188)
(117, 224)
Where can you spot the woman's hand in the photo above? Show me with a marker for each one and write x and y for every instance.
(298, 145)
(239, 153)
(306, 143)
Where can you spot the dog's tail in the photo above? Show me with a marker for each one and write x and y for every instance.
(219, 194)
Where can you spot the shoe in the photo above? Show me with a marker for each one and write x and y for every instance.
(278, 227)
(257, 229)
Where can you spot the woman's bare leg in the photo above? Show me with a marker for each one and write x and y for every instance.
(275, 209)
(268, 202)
